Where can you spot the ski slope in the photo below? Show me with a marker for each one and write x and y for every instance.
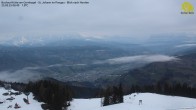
(34, 105)
(150, 101)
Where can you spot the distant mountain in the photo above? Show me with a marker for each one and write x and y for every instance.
(96, 60)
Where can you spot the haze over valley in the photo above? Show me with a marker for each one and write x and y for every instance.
(86, 60)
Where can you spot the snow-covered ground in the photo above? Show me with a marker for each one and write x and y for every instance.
(149, 102)
(34, 105)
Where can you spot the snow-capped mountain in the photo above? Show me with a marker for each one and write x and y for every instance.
(46, 40)
(23, 41)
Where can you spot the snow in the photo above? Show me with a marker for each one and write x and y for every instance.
(34, 105)
(150, 101)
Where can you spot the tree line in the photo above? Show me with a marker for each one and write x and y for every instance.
(177, 89)
(54, 94)
(112, 95)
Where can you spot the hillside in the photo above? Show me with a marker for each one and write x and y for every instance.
(150, 101)
(65, 63)
(4, 104)
(181, 71)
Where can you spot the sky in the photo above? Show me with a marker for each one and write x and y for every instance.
(99, 18)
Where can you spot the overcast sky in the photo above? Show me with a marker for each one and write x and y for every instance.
(135, 18)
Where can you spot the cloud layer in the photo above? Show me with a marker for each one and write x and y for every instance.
(139, 59)
(24, 75)
(186, 45)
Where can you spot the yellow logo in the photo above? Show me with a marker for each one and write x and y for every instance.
(187, 8)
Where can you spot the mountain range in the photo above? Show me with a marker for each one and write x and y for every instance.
(98, 61)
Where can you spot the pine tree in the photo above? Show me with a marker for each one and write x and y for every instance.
(120, 89)
(106, 100)
(54, 94)
(115, 98)
(113, 95)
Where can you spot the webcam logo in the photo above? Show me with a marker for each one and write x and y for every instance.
(187, 8)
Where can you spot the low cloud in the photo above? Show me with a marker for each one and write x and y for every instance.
(63, 65)
(138, 59)
(186, 45)
(29, 73)
(24, 75)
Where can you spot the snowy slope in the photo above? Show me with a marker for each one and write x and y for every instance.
(150, 102)
(34, 105)
(131, 102)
